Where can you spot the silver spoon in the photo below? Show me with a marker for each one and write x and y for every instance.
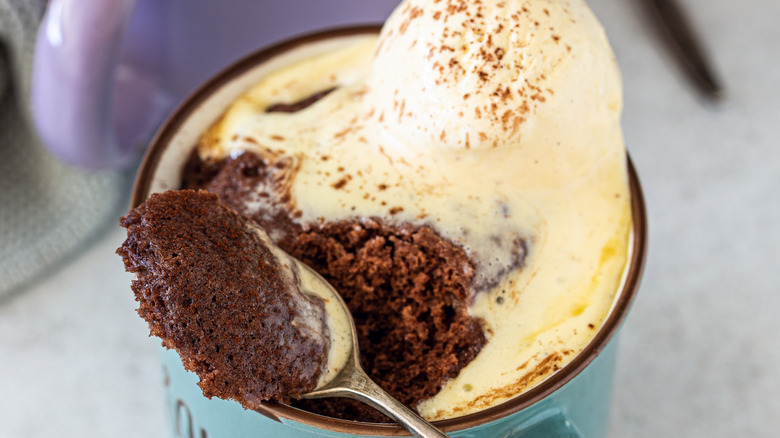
(351, 381)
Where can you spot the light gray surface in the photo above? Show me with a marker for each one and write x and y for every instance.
(699, 352)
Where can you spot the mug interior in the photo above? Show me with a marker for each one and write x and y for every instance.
(161, 170)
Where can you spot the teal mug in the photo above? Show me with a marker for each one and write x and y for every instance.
(573, 402)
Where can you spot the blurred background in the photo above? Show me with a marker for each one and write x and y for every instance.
(698, 353)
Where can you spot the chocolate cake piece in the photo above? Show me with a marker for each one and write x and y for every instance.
(408, 291)
(299, 105)
(407, 288)
(213, 291)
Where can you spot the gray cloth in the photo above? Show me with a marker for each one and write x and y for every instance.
(48, 210)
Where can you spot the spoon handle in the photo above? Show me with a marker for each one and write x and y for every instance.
(357, 385)
(371, 394)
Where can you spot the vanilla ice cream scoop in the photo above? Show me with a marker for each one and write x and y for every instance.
(476, 74)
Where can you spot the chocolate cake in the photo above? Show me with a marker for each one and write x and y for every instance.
(407, 288)
(213, 291)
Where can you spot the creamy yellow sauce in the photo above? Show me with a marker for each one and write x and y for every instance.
(308, 317)
(400, 139)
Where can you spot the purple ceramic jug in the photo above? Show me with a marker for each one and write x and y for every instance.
(107, 72)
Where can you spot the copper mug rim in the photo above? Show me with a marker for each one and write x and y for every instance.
(276, 411)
